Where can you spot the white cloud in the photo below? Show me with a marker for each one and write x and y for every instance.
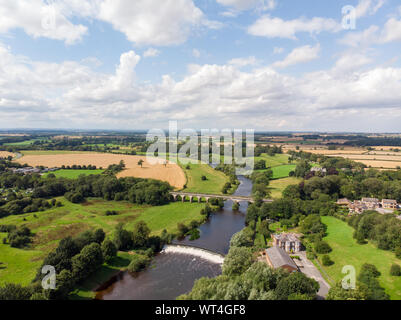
(151, 52)
(144, 22)
(196, 53)
(368, 7)
(391, 32)
(278, 50)
(38, 19)
(241, 5)
(271, 27)
(243, 62)
(153, 22)
(299, 55)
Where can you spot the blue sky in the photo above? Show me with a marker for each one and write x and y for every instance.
(263, 64)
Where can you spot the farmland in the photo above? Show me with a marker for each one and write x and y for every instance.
(170, 173)
(346, 251)
(276, 187)
(73, 174)
(5, 154)
(72, 219)
(213, 184)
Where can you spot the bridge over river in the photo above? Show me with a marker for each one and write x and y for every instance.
(183, 196)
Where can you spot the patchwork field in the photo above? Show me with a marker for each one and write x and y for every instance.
(346, 251)
(172, 173)
(19, 266)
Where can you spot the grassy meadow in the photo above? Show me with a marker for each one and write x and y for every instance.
(53, 225)
(73, 174)
(346, 251)
(214, 183)
(276, 187)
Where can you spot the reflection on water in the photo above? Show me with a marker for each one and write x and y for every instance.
(169, 276)
(173, 274)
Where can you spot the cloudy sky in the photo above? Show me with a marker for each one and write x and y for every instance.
(273, 65)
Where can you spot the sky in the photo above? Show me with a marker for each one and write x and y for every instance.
(268, 65)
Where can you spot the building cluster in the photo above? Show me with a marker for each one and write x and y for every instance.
(283, 245)
(359, 206)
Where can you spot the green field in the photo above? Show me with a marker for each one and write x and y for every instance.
(274, 161)
(283, 171)
(53, 225)
(346, 251)
(214, 183)
(25, 143)
(276, 187)
(73, 174)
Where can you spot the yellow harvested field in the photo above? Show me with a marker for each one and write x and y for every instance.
(385, 148)
(381, 164)
(368, 157)
(172, 173)
(5, 154)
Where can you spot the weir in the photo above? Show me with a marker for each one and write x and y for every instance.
(197, 252)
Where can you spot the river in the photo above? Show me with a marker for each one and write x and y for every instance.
(173, 273)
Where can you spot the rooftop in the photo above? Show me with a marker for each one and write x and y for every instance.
(279, 258)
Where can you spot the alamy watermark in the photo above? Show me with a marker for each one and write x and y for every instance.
(349, 281)
(49, 280)
(349, 17)
(49, 15)
(189, 146)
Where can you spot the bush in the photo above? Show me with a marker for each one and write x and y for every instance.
(111, 213)
(395, 270)
(398, 252)
(109, 250)
(195, 234)
(138, 263)
(327, 261)
(322, 247)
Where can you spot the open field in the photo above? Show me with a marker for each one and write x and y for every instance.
(5, 154)
(73, 174)
(52, 225)
(24, 143)
(347, 252)
(172, 173)
(283, 171)
(276, 187)
(274, 161)
(214, 183)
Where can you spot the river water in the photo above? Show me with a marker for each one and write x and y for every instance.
(172, 273)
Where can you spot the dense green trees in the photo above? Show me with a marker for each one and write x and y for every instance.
(109, 250)
(237, 261)
(255, 282)
(383, 230)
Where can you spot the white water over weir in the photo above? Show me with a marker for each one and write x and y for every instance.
(197, 252)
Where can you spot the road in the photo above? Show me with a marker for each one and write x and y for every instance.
(311, 271)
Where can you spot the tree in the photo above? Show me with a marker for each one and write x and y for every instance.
(242, 239)
(140, 163)
(395, 270)
(302, 169)
(296, 283)
(109, 250)
(237, 261)
(322, 247)
(337, 292)
(327, 261)
(122, 238)
(140, 235)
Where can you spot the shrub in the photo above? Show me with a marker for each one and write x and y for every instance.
(322, 247)
(398, 252)
(395, 270)
(138, 263)
(111, 213)
(327, 261)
